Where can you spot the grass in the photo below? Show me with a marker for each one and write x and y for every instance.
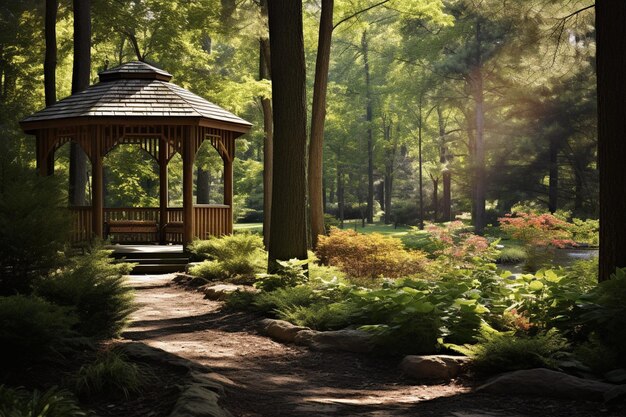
(248, 227)
(383, 229)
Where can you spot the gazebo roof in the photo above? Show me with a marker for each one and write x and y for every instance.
(130, 91)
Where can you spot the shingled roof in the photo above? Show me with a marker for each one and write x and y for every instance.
(134, 89)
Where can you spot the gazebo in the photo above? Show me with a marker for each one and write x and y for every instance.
(136, 104)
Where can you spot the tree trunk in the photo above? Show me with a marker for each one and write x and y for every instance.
(444, 159)
(421, 167)
(611, 66)
(370, 136)
(389, 168)
(288, 223)
(316, 145)
(435, 181)
(340, 194)
(202, 186)
(268, 133)
(81, 72)
(553, 186)
(50, 62)
(479, 146)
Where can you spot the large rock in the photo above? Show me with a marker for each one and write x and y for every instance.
(547, 383)
(220, 291)
(440, 367)
(198, 401)
(347, 340)
(281, 330)
(144, 353)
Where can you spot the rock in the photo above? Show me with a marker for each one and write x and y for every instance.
(281, 330)
(220, 291)
(617, 394)
(616, 376)
(197, 401)
(181, 278)
(346, 340)
(440, 367)
(144, 353)
(547, 383)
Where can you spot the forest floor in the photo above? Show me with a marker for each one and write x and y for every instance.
(266, 378)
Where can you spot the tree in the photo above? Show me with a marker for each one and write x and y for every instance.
(316, 144)
(288, 223)
(268, 131)
(81, 73)
(611, 64)
(50, 62)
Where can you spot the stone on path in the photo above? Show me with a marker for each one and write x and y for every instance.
(547, 383)
(339, 340)
(220, 291)
(280, 330)
(441, 367)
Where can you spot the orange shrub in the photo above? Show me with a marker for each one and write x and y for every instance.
(369, 256)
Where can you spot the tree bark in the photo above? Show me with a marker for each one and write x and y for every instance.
(340, 193)
(553, 185)
(50, 61)
(268, 133)
(316, 145)
(202, 186)
(435, 181)
(288, 222)
(447, 175)
(478, 216)
(611, 66)
(370, 137)
(81, 72)
(421, 167)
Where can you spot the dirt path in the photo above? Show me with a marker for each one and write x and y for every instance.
(265, 378)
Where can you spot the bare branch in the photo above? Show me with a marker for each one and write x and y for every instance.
(355, 14)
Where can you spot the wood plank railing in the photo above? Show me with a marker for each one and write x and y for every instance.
(209, 220)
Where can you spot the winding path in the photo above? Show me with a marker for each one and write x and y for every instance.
(266, 378)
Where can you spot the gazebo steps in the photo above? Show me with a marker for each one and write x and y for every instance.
(152, 259)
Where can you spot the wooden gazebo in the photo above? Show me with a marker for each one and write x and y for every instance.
(136, 104)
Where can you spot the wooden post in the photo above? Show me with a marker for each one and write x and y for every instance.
(97, 198)
(228, 189)
(45, 159)
(163, 196)
(188, 157)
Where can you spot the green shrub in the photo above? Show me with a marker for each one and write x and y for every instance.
(372, 255)
(54, 402)
(209, 270)
(512, 255)
(330, 221)
(241, 300)
(110, 375)
(319, 316)
(498, 352)
(33, 226)
(283, 298)
(31, 328)
(95, 288)
(289, 274)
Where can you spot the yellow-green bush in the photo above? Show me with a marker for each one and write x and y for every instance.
(371, 255)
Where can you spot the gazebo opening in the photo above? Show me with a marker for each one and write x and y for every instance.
(134, 112)
(61, 157)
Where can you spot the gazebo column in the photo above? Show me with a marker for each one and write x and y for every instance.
(188, 157)
(45, 159)
(228, 191)
(97, 197)
(163, 191)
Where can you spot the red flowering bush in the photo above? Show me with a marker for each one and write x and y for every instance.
(455, 242)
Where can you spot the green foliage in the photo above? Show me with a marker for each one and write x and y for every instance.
(498, 352)
(110, 375)
(95, 288)
(368, 256)
(239, 255)
(330, 221)
(289, 274)
(585, 231)
(283, 298)
(512, 255)
(32, 328)
(319, 316)
(33, 226)
(53, 402)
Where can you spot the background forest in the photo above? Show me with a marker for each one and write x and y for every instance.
(433, 107)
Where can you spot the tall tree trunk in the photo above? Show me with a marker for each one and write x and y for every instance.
(370, 136)
(553, 185)
(316, 145)
(444, 159)
(392, 141)
(268, 133)
(479, 187)
(611, 66)
(341, 204)
(435, 181)
(203, 190)
(50, 61)
(288, 223)
(81, 72)
(421, 166)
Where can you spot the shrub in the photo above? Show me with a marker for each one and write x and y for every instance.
(54, 402)
(585, 231)
(209, 270)
(319, 316)
(95, 288)
(283, 298)
(31, 328)
(33, 226)
(110, 375)
(498, 352)
(289, 274)
(512, 255)
(370, 255)
(330, 221)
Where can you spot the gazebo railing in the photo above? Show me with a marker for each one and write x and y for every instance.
(209, 220)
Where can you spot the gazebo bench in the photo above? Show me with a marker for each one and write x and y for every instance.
(132, 229)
